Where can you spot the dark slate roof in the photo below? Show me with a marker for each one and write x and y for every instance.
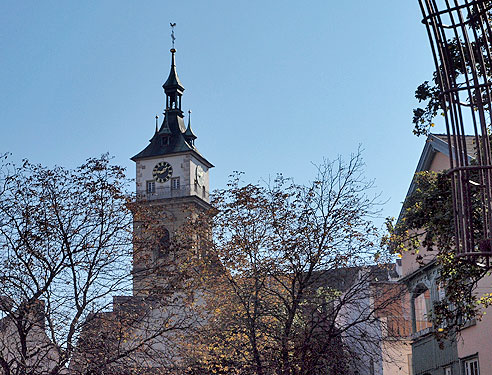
(173, 81)
(173, 136)
(470, 143)
(438, 143)
(172, 127)
(189, 132)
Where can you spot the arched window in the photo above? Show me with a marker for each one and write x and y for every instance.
(422, 306)
(163, 245)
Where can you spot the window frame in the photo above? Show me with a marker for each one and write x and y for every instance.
(175, 183)
(468, 370)
(422, 308)
(150, 183)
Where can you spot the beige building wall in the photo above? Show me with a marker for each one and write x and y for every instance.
(395, 357)
(150, 272)
(478, 337)
(439, 163)
(42, 354)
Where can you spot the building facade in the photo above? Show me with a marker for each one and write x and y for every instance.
(464, 352)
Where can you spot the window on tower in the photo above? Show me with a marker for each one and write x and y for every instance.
(163, 244)
(150, 187)
(175, 183)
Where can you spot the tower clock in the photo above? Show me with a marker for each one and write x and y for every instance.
(162, 171)
(172, 182)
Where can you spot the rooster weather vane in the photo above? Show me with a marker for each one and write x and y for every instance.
(173, 38)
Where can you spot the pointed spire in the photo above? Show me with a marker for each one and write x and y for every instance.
(173, 87)
(173, 136)
(156, 128)
(189, 135)
(173, 83)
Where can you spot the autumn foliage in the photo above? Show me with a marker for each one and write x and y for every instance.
(293, 263)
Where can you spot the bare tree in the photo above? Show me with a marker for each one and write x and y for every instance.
(65, 248)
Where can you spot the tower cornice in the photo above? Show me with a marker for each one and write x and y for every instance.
(196, 154)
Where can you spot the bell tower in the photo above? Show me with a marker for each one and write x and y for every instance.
(172, 180)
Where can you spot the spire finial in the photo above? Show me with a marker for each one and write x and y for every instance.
(173, 38)
(156, 122)
(189, 135)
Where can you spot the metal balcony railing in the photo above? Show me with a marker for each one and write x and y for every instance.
(168, 192)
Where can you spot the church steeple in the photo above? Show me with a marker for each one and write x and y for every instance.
(173, 87)
(173, 136)
(174, 176)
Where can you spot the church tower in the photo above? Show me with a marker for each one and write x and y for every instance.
(172, 179)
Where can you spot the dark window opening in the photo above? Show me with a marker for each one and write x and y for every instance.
(164, 244)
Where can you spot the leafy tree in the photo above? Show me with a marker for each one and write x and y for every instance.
(429, 92)
(427, 217)
(292, 280)
(427, 222)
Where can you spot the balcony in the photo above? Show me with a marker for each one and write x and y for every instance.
(168, 192)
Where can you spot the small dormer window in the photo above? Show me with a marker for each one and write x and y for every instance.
(165, 141)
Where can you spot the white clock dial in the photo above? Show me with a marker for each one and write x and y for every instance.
(200, 175)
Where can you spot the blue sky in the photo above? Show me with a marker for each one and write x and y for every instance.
(274, 86)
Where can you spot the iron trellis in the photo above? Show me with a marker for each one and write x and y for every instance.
(460, 34)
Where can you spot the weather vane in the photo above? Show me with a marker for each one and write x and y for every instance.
(173, 38)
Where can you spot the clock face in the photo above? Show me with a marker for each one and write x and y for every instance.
(200, 175)
(162, 172)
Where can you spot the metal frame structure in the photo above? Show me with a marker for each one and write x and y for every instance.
(460, 34)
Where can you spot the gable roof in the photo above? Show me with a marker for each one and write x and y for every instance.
(438, 143)
(433, 144)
